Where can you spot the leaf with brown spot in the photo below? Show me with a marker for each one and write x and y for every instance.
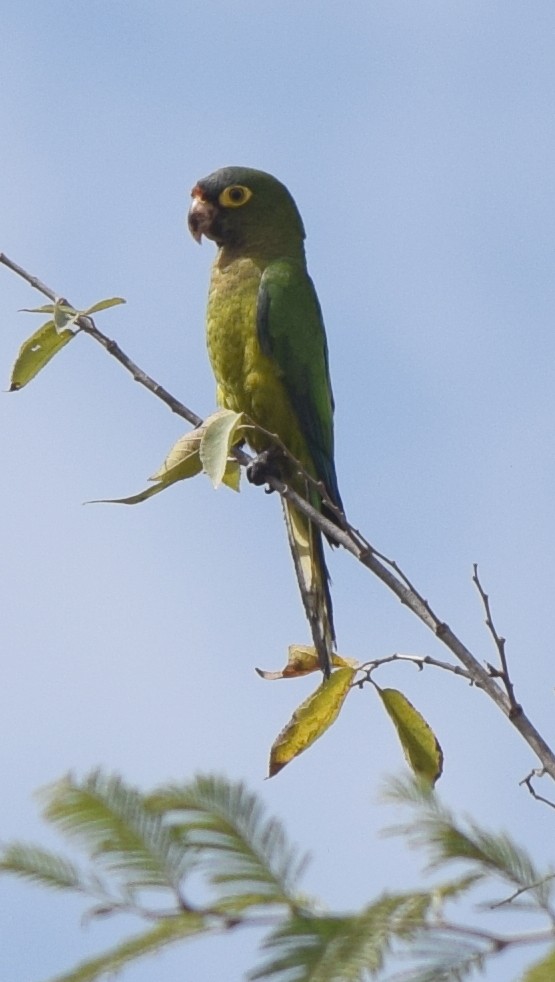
(312, 718)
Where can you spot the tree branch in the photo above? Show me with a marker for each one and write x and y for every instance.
(347, 536)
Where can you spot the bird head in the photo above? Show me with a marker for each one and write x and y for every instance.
(241, 208)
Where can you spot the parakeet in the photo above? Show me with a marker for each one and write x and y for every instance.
(268, 350)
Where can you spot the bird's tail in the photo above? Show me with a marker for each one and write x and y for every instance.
(307, 549)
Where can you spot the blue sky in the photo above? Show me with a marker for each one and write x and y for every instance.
(418, 139)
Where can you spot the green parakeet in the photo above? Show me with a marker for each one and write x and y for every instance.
(267, 346)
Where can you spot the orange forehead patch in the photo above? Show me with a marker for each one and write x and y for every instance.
(197, 192)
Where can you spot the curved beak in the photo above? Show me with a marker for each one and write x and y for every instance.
(200, 218)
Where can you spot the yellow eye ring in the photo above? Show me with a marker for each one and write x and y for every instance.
(234, 196)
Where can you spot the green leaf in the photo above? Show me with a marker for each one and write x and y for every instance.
(103, 305)
(312, 718)
(47, 308)
(41, 866)
(166, 932)
(542, 971)
(64, 316)
(246, 855)
(132, 499)
(111, 821)
(220, 435)
(418, 740)
(36, 352)
(183, 460)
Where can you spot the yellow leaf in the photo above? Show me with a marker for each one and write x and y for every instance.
(302, 660)
(36, 352)
(418, 740)
(220, 433)
(232, 475)
(312, 718)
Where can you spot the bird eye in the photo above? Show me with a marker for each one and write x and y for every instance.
(234, 196)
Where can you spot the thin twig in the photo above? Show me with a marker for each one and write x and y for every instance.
(537, 772)
(499, 644)
(386, 570)
(520, 891)
(418, 660)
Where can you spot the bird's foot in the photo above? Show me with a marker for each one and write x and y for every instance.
(264, 466)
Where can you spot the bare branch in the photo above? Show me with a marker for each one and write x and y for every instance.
(499, 644)
(346, 536)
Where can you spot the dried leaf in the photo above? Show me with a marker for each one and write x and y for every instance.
(302, 660)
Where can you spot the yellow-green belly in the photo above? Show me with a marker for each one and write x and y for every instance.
(247, 380)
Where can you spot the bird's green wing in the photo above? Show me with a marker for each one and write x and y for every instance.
(291, 332)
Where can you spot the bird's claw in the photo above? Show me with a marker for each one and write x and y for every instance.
(264, 466)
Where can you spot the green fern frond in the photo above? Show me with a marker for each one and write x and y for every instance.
(452, 889)
(510, 860)
(343, 949)
(446, 840)
(299, 949)
(245, 854)
(443, 960)
(165, 932)
(110, 820)
(42, 866)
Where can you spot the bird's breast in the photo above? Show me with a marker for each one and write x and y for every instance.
(247, 380)
(231, 329)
